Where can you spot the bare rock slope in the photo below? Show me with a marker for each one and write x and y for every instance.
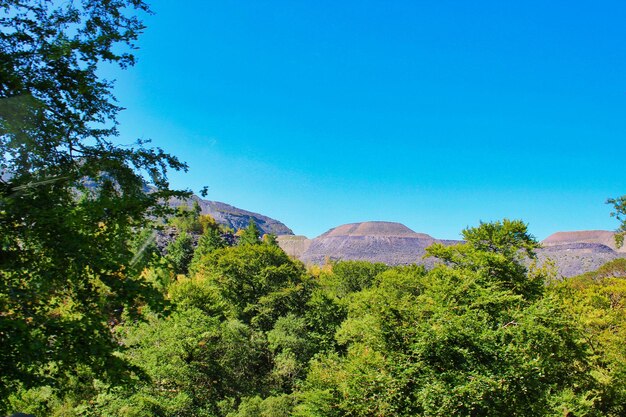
(572, 253)
(387, 242)
(234, 217)
(601, 237)
(294, 246)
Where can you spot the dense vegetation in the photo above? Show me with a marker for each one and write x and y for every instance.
(247, 331)
(95, 321)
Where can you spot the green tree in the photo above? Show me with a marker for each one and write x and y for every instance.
(256, 284)
(472, 337)
(250, 235)
(194, 364)
(180, 253)
(597, 301)
(189, 219)
(496, 251)
(274, 406)
(210, 240)
(70, 197)
(619, 205)
(347, 277)
(237, 340)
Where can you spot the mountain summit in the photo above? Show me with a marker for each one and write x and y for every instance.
(234, 217)
(572, 253)
(601, 237)
(381, 229)
(386, 242)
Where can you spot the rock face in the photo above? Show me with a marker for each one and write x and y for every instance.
(602, 237)
(294, 246)
(574, 253)
(374, 229)
(234, 217)
(387, 242)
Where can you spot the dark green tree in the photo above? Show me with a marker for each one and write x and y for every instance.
(197, 366)
(70, 197)
(347, 277)
(250, 235)
(180, 253)
(188, 219)
(619, 205)
(254, 283)
(210, 240)
(237, 335)
(597, 301)
(472, 337)
(497, 251)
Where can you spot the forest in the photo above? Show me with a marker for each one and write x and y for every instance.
(95, 320)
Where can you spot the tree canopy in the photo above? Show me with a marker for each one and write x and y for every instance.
(619, 205)
(71, 197)
(248, 331)
(95, 321)
(474, 336)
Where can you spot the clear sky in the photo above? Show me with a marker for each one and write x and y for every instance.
(436, 114)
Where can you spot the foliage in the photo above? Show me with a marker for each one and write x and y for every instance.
(274, 406)
(70, 198)
(250, 235)
(473, 336)
(192, 361)
(619, 205)
(496, 251)
(209, 223)
(270, 239)
(348, 277)
(188, 220)
(250, 333)
(210, 240)
(258, 283)
(180, 253)
(598, 301)
(222, 352)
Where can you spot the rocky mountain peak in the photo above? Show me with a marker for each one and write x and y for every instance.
(374, 229)
(601, 237)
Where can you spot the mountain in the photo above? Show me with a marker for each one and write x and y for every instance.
(373, 229)
(577, 252)
(294, 246)
(234, 217)
(572, 253)
(601, 237)
(387, 242)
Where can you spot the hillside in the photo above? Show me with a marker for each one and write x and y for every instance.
(580, 251)
(234, 217)
(601, 237)
(387, 242)
(572, 253)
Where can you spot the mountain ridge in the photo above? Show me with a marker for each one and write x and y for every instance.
(572, 253)
(234, 217)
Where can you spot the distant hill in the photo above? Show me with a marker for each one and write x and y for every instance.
(572, 253)
(294, 246)
(387, 242)
(234, 217)
(580, 251)
(372, 229)
(602, 237)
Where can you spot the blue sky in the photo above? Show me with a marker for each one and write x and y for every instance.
(435, 114)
